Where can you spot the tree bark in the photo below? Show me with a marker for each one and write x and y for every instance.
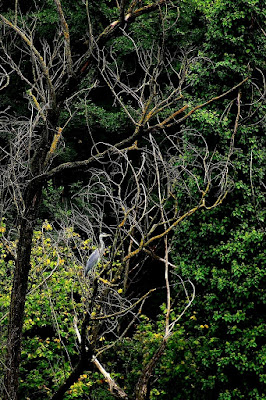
(142, 387)
(18, 294)
(73, 377)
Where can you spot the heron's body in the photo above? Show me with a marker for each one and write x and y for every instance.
(96, 256)
(93, 260)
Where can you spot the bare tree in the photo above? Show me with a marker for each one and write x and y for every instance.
(148, 198)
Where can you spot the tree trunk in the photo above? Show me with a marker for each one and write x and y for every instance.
(73, 377)
(142, 392)
(18, 294)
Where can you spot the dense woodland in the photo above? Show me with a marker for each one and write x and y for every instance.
(144, 120)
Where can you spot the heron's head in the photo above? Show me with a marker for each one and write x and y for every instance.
(102, 235)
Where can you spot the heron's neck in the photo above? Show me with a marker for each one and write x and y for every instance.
(101, 248)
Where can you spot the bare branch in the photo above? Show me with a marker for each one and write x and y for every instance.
(40, 59)
(112, 384)
(165, 122)
(65, 29)
(4, 78)
(124, 311)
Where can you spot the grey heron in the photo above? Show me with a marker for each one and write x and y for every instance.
(96, 256)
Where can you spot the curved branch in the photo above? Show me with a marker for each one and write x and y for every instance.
(113, 29)
(65, 29)
(166, 124)
(122, 312)
(39, 57)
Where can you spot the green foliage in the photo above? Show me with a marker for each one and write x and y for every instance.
(48, 327)
(105, 118)
(53, 202)
(225, 256)
(219, 350)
